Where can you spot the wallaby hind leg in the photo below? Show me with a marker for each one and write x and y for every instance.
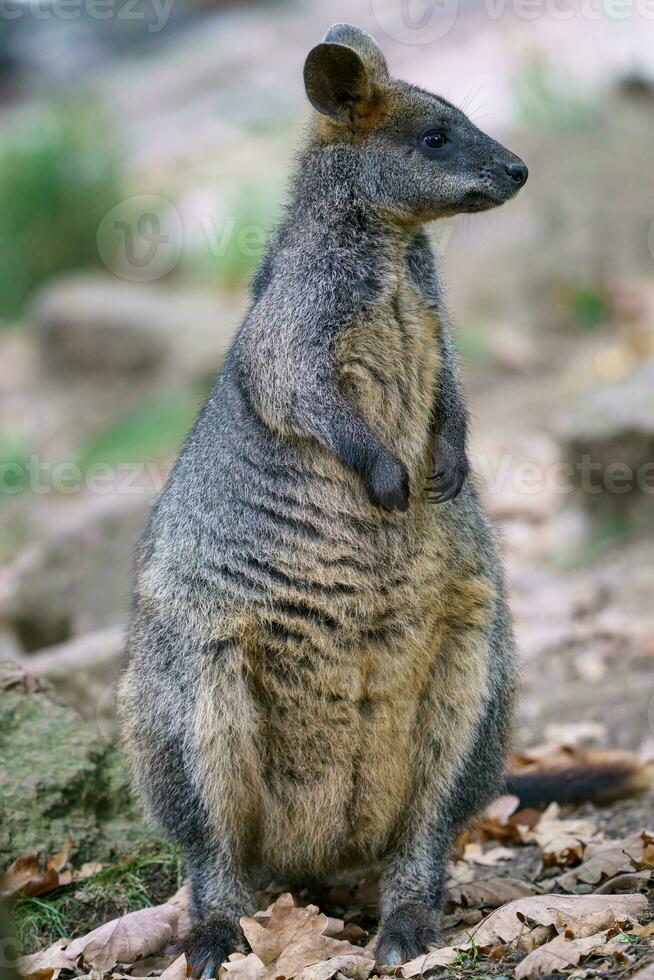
(158, 715)
(219, 897)
(220, 892)
(413, 887)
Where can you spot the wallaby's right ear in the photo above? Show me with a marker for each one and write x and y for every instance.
(337, 81)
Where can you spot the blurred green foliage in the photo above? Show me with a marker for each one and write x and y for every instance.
(606, 532)
(59, 175)
(472, 345)
(152, 430)
(544, 98)
(589, 305)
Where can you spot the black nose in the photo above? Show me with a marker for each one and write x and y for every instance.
(518, 173)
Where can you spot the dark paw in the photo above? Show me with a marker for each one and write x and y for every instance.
(388, 484)
(407, 932)
(449, 473)
(210, 943)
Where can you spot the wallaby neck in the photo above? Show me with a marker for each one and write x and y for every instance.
(327, 191)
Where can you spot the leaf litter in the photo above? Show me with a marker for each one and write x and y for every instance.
(29, 876)
(582, 920)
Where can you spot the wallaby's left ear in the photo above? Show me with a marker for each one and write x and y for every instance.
(365, 46)
(341, 74)
(336, 80)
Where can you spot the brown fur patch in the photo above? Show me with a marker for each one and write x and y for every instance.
(364, 116)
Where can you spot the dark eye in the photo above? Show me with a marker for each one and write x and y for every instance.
(434, 139)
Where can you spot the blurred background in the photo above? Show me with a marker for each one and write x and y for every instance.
(144, 151)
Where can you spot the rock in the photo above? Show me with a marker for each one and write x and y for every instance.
(101, 325)
(59, 778)
(608, 439)
(79, 579)
(106, 349)
(83, 674)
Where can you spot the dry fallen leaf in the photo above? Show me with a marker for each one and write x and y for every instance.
(562, 842)
(474, 854)
(244, 967)
(354, 933)
(126, 939)
(461, 915)
(491, 892)
(590, 925)
(177, 970)
(505, 924)
(24, 876)
(154, 965)
(557, 955)
(433, 960)
(45, 965)
(502, 808)
(495, 822)
(510, 922)
(288, 940)
(609, 859)
(630, 881)
(354, 967)
(537, 936)
(181, 901)
(88, 869)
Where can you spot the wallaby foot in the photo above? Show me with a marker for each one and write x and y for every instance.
(406, 932)
(449, 474)
(210, 942)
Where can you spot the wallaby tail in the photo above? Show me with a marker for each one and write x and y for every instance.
(593, 775)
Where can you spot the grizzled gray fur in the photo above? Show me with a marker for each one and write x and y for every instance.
(320, 666)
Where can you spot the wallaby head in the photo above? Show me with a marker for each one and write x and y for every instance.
(417, 155)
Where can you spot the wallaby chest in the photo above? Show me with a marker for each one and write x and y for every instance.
(336, 738)
(388, 366)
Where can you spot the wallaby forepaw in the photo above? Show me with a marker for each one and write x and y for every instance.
(449, 473)
(209, 944)
(406, 933)
(388, 484)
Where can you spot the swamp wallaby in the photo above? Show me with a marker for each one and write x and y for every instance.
(320, 669)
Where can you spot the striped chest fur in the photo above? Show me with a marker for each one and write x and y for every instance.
(332, 663)
(388, 368)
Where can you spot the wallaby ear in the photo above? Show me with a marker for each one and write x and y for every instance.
(336, 80)
(364, 44)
